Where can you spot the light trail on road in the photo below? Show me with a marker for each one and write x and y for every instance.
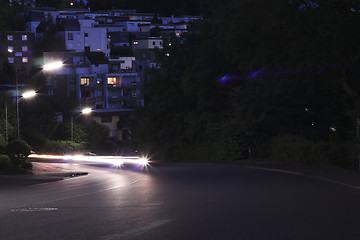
(115, 160)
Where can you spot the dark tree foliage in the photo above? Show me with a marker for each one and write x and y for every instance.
(97, 135)
(254, 70)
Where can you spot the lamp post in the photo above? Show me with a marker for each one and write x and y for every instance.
(84, 111)
(47, 67)
(25, 95)
(17, 104)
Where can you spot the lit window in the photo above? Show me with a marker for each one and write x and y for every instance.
(70, 36)
(24, 37)
(112, 81)
(84, 81)
(25, 59)
(24, 48)
(10, 37)
(11, 60)
(10, 49)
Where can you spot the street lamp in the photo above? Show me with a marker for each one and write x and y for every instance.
(29, 94)
(83, 111)
(47, 67)
(53, 66)
(25, 95)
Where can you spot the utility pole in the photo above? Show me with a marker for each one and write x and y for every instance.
(17, 104)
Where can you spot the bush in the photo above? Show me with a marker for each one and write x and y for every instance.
(2, 144)
(27, 165)
(5, 162)
(63, 147)
(18, 151)
(295, 149)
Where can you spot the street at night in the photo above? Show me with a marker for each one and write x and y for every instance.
(180, 201)
(179, 120)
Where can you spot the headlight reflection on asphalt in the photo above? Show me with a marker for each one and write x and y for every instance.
(115, 160)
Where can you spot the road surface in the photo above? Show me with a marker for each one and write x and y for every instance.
(174, 202)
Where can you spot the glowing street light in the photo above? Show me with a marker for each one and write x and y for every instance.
(86, 111)
(29, 94)
(25, 95)
(53, 66)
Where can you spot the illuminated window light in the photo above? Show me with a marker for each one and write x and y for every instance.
(84, 81)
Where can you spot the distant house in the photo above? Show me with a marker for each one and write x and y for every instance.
(143, 50)
(33, 19)
(80, 34)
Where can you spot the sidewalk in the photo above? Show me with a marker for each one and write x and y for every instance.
(43, 172)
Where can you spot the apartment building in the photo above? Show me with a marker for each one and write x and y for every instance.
(87, 79)
(17, 48)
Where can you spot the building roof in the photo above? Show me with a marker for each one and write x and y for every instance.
(97, 57)
(69, 24)
(37, 16)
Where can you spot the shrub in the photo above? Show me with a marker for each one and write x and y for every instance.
(300, 150)
(63, 147)
(4, 162)
(27, 165)
(2, 144)
(18, 151)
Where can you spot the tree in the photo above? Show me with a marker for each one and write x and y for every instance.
(252, 71)
(97, 135)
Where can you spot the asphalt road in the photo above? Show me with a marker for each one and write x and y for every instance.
(174, 202)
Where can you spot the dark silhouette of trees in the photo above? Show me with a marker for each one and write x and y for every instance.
(251, 72)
